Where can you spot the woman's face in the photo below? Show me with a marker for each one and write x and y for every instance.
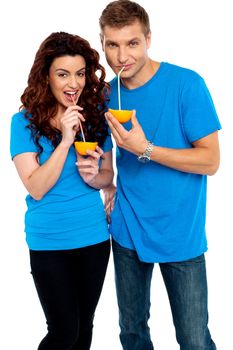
(67, 79)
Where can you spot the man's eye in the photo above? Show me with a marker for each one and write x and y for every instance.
(111, 45)
(133, 44)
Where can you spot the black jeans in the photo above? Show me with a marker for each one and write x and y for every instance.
(69, 284)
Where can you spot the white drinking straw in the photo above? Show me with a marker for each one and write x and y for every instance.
(119, 94)
(80, 123)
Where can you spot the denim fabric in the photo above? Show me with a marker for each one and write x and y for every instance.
(186, 286)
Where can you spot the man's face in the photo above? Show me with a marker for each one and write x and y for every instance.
(126, 46)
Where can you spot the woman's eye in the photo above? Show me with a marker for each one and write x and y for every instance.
(62, 75)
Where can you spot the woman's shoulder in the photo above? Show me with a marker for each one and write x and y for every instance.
(19, 118)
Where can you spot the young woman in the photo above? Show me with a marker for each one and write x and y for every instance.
(65, 222)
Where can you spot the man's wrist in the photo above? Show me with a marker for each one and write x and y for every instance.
(143, 147)
(146, 155)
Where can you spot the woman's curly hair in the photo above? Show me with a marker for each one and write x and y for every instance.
(41, 105)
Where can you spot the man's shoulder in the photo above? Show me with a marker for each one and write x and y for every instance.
(181, 72)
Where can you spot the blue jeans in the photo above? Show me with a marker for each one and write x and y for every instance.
(186, 286)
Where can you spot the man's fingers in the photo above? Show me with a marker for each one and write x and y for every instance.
(114, 122)
(134, 120)
(118, 131)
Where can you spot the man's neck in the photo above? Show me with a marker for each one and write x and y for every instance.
(148, 71)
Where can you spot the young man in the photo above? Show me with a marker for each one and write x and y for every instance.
(163, 158)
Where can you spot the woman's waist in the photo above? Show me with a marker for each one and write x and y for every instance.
(60, 203)
(54, 217)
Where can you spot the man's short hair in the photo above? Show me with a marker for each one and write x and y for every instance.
(124, 12)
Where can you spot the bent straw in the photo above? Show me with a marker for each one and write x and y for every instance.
(80, 123)
(119, 95)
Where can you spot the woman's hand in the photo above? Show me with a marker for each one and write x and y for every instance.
(70, 124)
(89, 167)
(109, 196)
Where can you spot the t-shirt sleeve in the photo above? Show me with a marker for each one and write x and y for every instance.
(199, 115)
(20, 138)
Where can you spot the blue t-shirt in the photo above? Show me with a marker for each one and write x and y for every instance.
(159, 211)
(71, 214)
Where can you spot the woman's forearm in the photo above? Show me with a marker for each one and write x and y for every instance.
(43, 177)
(103, 179)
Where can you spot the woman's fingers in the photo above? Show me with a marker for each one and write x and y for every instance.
(74, 111)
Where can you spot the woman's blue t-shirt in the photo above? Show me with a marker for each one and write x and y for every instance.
(71, 214)
(159, 211)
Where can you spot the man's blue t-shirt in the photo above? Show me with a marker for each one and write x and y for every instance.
(159, 211)
(71, 214)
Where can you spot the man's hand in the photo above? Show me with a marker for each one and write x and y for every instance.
(134, 140)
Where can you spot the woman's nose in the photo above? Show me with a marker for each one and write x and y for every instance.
(73, 82)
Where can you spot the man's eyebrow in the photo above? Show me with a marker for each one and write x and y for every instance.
(109, 41)
(135, 38)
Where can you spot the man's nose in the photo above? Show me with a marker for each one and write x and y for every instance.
(122, 55)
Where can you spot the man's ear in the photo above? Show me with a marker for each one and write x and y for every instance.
(102, 40)
(148, 40)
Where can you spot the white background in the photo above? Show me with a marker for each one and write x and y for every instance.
(196, 34)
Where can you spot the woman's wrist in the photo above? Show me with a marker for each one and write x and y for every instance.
(65, 144)
(92, 183)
